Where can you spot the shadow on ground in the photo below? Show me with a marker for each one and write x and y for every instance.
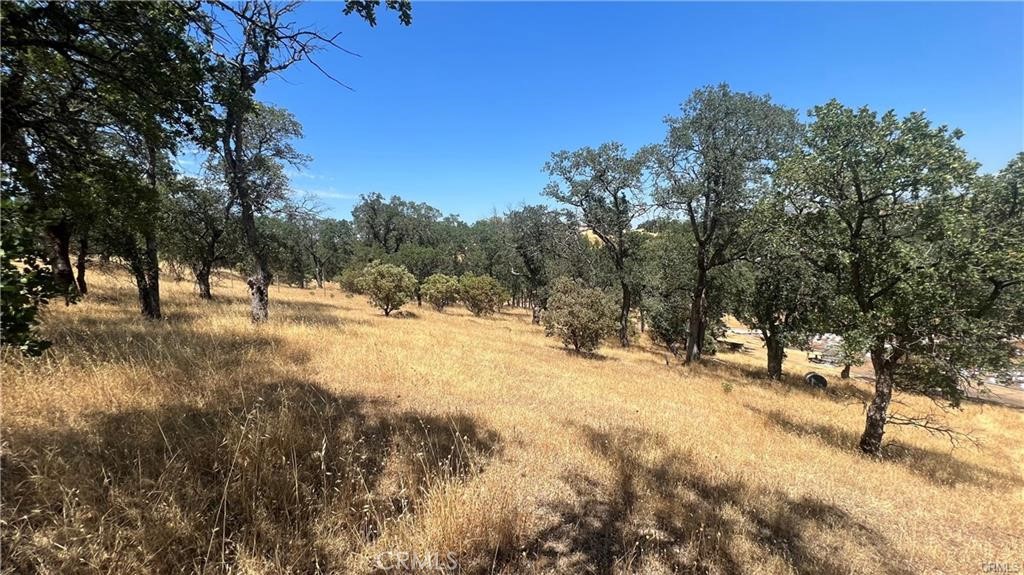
(288, 476)
(839, 390)
(662, 513)
(584, 355)
(939, 467)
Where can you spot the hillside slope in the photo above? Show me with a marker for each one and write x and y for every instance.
(333, 439)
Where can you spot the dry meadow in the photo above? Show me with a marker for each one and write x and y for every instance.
(334, 439)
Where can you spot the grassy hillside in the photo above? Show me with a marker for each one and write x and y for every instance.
(333, 435)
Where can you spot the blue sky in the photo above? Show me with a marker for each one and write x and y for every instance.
(462, 109)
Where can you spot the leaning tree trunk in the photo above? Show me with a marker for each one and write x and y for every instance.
(59, 237)
(202, 272)
(624, 315)
(695, 331)
(234, 147)
(83, 253)
(874, 428)
(776, 353)
(145, 268)
(147, 276)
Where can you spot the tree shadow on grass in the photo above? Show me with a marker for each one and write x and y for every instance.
(838, 390)
(123, 305)
(587, 355)
(940, 468)
(183, 348)
(311, 313)
(660, 513)
(287, 475)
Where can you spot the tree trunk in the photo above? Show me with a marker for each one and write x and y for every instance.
(776, 353)
(536, 314)
(259, 281)
(202, 272)
(236, 173)
(149, 297)
(147, 275)
(83, 253)
(695, 332)
(145, 268)
(643, 323)
(874, 428)
(259, 297)
(149, 290)
(59, 236)
(624, 315)
(845, 374)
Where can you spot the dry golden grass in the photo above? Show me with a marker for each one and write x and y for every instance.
(333, 435)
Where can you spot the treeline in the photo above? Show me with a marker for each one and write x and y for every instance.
(878, 228)
(523, 249)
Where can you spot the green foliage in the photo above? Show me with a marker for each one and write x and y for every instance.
(534, 233)
(283, 248)
(389, 225)
(349, 279)
(421, 261)
(579, 316)
(482, 295)
(607, 188)
(713, 167)
(328, 243)
(197, 229)
(388, 286)
(917, 249)
(25, 284)
(784, 297)
(669, 321)
(367, 9)
(487, 249)
(440, 290)
(665, 276)
(86, 121)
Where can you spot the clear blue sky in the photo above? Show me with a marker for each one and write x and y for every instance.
(462, 109)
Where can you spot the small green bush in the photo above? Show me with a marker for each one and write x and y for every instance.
(440, 290)
(580, 316)
(669, 322)
(349, 280)
(389, 286)
(483, 295)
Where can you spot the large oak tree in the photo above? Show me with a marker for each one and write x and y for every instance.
(920, 263)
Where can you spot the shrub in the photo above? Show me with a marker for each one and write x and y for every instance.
(440, 290)
(389, 286)
(349, 279)
(669, 322)
(483, 295)
(581, 317)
